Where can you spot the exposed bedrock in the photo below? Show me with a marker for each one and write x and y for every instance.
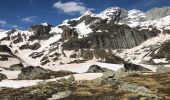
(116, 37)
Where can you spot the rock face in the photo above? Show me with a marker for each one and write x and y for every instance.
(2, 77)
(41, 31)
(68, 33)
(34, 46)
(91, 36)
(162, 53)
(117, 37)
(4, 48)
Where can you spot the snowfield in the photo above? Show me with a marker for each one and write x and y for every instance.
(27, 83)
(83, 67)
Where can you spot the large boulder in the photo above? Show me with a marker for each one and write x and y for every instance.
(2, 76)
(97, 69)
(162, 69)
(134, 67)
(16, 67)
(60, 95)
(106, 79)
(31, 72)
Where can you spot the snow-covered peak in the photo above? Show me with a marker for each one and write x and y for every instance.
(112, 12)
(45, 24)
(89, 12)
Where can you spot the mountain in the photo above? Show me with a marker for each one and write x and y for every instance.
(92, 37)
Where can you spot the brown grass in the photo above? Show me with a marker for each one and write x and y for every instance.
(159, 83)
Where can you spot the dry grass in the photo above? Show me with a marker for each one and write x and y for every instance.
(159, 83)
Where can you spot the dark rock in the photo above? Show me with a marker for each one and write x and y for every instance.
(4, 48)
(97, 69)
(17, 39)
(16, 67)
(2, 76)
(134, 67)
(31, 72)
(44, 60)
(36, 54)
(34, 46)
(162, 53)
(40, 32)
(68, 33)
(117, 37)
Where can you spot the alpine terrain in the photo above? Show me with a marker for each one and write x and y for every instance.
(116, 54)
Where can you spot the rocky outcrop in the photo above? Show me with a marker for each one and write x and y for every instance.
(40, 31)
(116, 37)
(16, 67)
(17, 39)
(32, 72)
(163, 52)
(34, 46)
(4, 48)
(106, 79)
(2, 76)
(7, 50)
(60, 95)
(68, 33)
(134, 67)
(97, 69)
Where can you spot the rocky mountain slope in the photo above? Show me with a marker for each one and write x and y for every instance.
(116, 54)
(90, 37)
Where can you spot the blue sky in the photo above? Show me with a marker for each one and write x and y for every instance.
(23, 13)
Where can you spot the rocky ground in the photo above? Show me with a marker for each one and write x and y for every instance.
(124, 84)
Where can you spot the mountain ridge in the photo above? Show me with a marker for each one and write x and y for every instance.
(89, 35)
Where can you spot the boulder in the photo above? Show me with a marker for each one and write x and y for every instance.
(97, 69)
(162, 69)
(134, 67)
(134, 88)
(2, 76)
(71, 79)
(16, 67)
(60, 95)
(31, 72)
(106, 79)
(37, 72)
